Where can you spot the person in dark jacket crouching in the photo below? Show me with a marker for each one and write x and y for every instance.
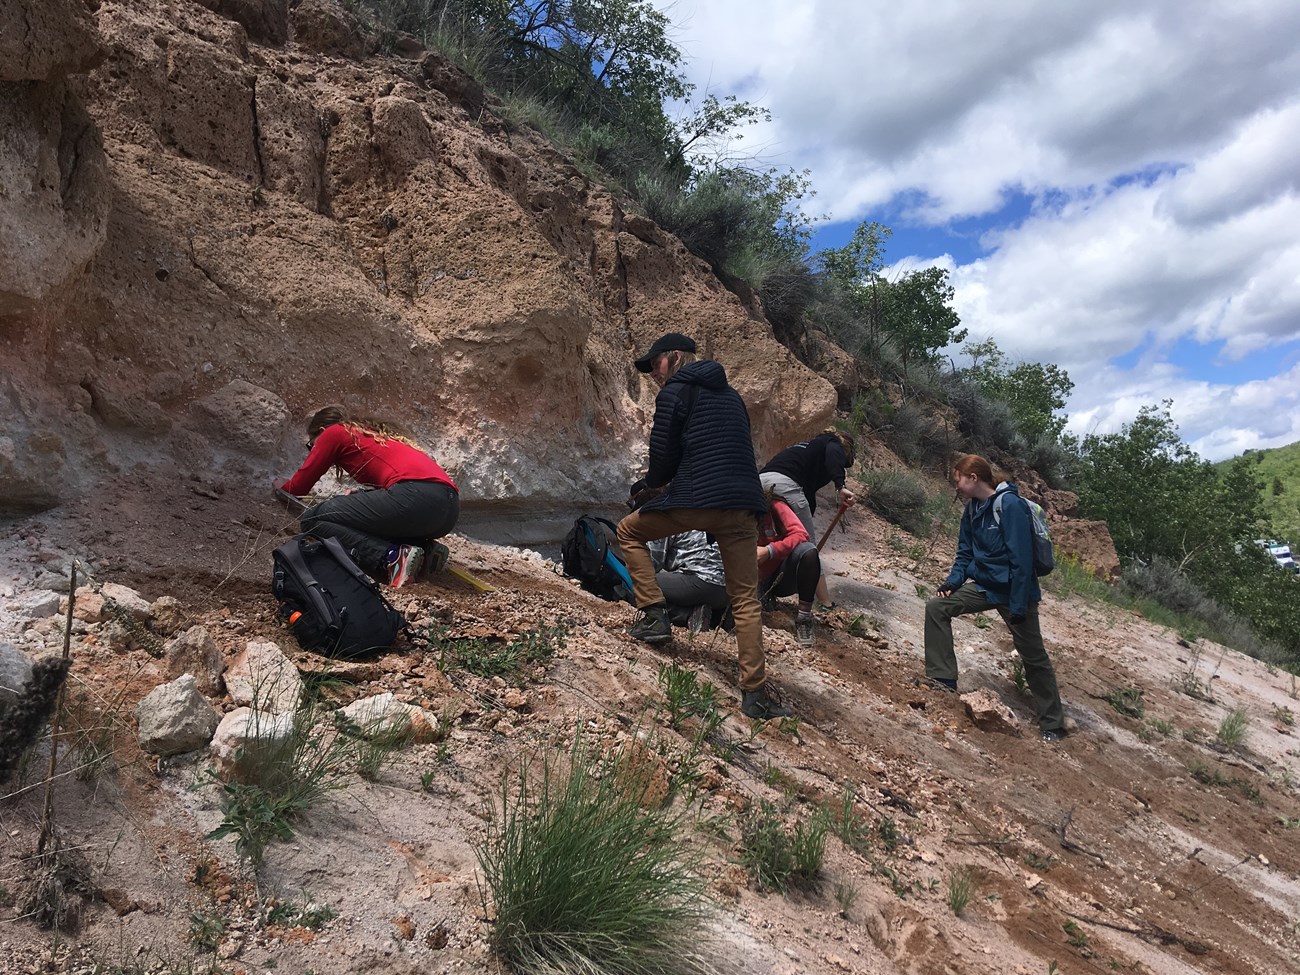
(994, 569)
(701, 476)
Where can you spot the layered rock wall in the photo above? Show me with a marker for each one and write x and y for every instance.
(267, 210)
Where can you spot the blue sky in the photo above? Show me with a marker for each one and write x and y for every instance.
(1113, 186)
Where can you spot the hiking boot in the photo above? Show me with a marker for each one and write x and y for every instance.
(946, 684)
(652, 625)
(763, 703)
(701, 619)
(435, 559)
(405, 566)
(805, 629)
(1053, 736)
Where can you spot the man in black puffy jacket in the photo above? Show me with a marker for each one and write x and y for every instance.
(701, 476)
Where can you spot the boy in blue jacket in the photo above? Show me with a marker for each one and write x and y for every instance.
(994, 569)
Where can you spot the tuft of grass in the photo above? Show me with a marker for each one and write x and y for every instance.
(899, 497)
(1162, 727)
(808, 846)
(889, 835)
(493, 658)
(582, 878)
(686, 696)
(1283, 716)
(1018, 675)
(845, 895)
(1127, 701)
(285, 770)
(1233, 729)
(777, 859)
(1076, 936)
(962, 887)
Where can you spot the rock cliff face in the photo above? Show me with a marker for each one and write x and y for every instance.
(197, 194)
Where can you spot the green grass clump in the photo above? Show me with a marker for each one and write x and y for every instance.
(286, 769)
(1127, 701)
(493, 658)
(962, 885)
(1233, 729)
(583, 879)
(777, 858)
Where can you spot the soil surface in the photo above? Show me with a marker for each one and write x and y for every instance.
(1135, 845)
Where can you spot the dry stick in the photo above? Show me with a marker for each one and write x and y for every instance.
(1068, 844)
(47, 814)
(1153, 931)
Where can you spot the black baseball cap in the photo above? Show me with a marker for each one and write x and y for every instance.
(672, 342)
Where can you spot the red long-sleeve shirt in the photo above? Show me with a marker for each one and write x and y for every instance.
(783, 537)
(377, 463)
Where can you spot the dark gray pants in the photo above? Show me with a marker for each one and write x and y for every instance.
(367, 523)
(941, 661)
(683, 592)
(797, 574)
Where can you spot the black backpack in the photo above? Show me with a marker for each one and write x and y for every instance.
(591, 555)
(330, 605)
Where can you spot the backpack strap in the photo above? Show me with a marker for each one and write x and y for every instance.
(292, 555)
(340, 554)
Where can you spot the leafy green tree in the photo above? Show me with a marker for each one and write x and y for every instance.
(1159, 497)
(917, 314)
(1034, 391)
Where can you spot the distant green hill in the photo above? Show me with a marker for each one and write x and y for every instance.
(1279, 470)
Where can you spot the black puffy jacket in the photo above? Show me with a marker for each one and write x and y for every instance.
(706, 458)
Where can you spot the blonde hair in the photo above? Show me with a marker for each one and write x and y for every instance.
(683, 358)
(382, 430)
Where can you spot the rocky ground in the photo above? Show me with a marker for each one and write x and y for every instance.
(1136, 845)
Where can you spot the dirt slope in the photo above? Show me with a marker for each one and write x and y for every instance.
(1181, 856)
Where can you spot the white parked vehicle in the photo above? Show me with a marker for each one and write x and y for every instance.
(1280, 551)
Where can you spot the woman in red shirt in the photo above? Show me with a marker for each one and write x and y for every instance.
(389, 530)
(788, 562)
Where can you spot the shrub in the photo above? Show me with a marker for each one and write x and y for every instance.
(899, 497)
(1053, 461)
(584, 879)
(987, 423)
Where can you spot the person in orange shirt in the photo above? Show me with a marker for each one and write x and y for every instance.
(390, 529)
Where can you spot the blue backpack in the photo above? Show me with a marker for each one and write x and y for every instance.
(1044, 554)
(591, 555)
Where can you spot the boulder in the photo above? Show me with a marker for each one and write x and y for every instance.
(247, 740)
(194, 652)
(243, 416)
(168, 617)
(988, 713)
(36, 604)
(128, 601)
(15, 671)
(54, 210)
(325, 26)
(1087, 541)
(383, 715)
(175, 718)
(262, 677)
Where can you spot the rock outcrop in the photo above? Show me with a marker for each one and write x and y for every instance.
(268, 210)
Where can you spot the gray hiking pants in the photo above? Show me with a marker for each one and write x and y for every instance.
(368, 523)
